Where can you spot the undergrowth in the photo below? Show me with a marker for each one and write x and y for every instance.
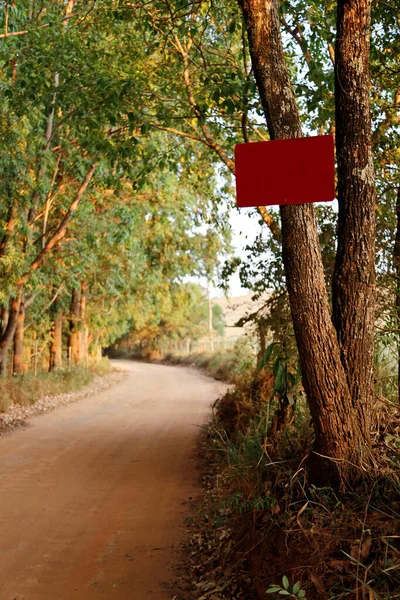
(296, 539)
(28, 389)
(227, 366)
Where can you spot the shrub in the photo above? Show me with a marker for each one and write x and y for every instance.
(27, 389)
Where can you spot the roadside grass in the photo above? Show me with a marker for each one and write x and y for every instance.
(233, 365)
(262, 516)
(229, 366)
(27, 389)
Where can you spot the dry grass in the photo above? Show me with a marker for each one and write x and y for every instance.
(28, 389)
(230, 366)
(337, 545)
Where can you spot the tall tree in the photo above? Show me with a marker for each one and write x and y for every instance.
(342, 439)
(354, 276)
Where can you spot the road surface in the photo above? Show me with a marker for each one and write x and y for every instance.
(92, 495)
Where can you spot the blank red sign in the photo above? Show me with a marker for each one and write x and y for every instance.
(293, 171)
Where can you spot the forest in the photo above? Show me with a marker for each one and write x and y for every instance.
(118, 126)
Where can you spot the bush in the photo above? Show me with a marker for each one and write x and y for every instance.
(332, 545)
(232, 366)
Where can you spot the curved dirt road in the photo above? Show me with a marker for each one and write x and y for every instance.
(91, 495)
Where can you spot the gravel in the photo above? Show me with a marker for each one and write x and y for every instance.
(18, 415)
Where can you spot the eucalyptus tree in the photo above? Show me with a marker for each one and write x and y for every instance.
(336, 356)
(72, 117)
(183, 318)
(144, 243)
(61, 94)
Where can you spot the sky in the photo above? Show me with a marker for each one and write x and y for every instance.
(245, 223)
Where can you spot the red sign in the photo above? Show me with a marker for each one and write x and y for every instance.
(293, 171)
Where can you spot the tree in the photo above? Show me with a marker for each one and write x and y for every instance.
(337, 370)
(81, 176)
(182, 317)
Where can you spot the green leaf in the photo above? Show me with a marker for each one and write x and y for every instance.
(277, 366)
(296, 587)
(268, 352)
(285, 582)
(280, 378)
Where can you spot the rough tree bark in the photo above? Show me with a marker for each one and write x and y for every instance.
(56, 343)
(396, 262)
(18, 357)
(74, 345)
(354, 276)
(341, 444)
(9, 331)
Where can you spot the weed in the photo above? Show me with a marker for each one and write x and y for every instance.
(27, 389)
(285, 589)
(339, 545)
(4, 403)
(228, 366)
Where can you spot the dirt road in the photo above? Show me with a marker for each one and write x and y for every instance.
(91, 495)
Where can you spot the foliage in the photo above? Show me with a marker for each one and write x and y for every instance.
(286, 379)
(286, 589)
(91, 195)
(328, 545)
(180, 318)
(25, 390)
(230, 366)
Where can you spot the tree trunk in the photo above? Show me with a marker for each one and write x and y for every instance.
(79, 332)
(5, 313)
(74, 345)
(56, 344)
(8, 334)
(354, 276)
(396, 262)
(340, 442)
(96, 348)
(83, 328)
(18, 358)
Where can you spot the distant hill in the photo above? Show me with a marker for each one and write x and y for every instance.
(234, 308)
(237, 307)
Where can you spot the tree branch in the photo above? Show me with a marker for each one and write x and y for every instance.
(297, 35)
(62, 228)
(8, 34)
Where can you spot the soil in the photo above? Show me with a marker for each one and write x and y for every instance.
(93, 495)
